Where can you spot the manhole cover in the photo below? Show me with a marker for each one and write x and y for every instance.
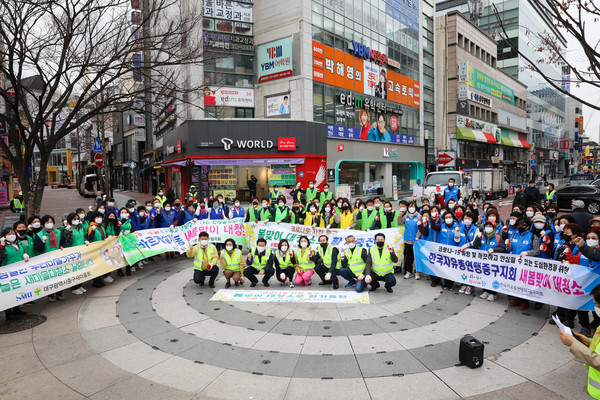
(21, 324)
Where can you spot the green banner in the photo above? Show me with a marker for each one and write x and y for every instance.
(486, 84)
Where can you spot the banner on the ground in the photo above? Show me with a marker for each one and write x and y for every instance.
(150, 242)
(292, 296)
(536, 279)
(273, 232)
(52, 272)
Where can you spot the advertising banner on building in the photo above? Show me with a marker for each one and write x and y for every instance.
(229, 10)
(52, 272)
(278, 106)
(486, 84)
(474, 129)
(275, 60)
(535, 279)
(291, 296)
(229, 97)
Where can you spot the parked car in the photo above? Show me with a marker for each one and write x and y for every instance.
(580, 179)
(588, 193)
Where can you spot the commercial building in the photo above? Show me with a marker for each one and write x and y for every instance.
(481, 115)
(572, 149)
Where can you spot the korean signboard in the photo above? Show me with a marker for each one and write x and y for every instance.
(229, 10)
(228, 42)
(465, 93)
(486, 84)
(275, 60)
(278, 106)
(229, 97)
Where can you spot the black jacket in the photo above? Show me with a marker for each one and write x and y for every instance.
(582, 218)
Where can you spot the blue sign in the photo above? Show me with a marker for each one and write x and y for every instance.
(343, 132)
(405, 11)
(533, 167)
(533, 162)
(97, 146)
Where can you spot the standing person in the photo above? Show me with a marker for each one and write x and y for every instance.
(201, 211)
(327, 218)
(306, 259)
(111, 224)
(380, 265)
(47, 240)
(216, 211)
(347, 216)
(274, 195)
(160, 196)
(282, 211)
(75, 236)
(550, 196)
(311, 217)
(253, 214)
(188, 214)
(259, 262)
(25, 241)
(237, 211)
(223, 205)
(411, 221)
(297, 193)
(297, 214)
(179, 210)
(17, 205)
(325, 196)
(418, 192)
(532, 194)
(312, 192)
(327, 268)
(205, 257)
(126, 227)
(110, 206)
(266, 213)
(390, 217)
(232, 263)
(284, 261)
(192, 194)
(370, 218)
(96, 233)
(523, 243)
(451, 191)
(12, 251)
(520, 197)
(252, 186)
(582, 217)
(354, 264)
(448, 234)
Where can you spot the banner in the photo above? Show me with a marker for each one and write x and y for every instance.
(536, 279)
(292, 296)
(273, 233)
(150, 242)
(49, 273)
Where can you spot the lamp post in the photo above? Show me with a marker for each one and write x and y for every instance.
(426, 149)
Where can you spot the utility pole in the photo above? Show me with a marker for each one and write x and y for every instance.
(147, 84)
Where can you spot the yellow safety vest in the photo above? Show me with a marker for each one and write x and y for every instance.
(382, 264)
(211, 250)
(346, 219)
(304, 261)
(308, 219)
(594, 375)
(285, 261)
(263, 263)
(327, 256)
(355, 261)
(232, 262)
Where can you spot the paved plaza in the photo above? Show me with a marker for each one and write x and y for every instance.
(157, 335)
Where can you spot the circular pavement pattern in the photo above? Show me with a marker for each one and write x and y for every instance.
(165, 328)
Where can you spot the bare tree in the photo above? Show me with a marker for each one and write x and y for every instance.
(569, 16)
(80, 52)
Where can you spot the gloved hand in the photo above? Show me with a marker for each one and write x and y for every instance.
(464, 247)
(545, 239)
(505, 228)
(87, 242)
(360, 277)
(282, 276)
(478, 234)
(507, 242)
(419, 222)
(368, 279)
(328, 276)
(25, 257)
(3, 241)
(171, 227)
(301, 272)
(45, 239)
(91, 208)
(490, 251)
(94, 227)
(543, 247)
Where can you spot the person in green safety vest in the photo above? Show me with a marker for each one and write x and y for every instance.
(297, 214)
(550, 196)
(12, 251)
(327, 269)
(390, 217)
(232, 263)
(253, 214)
(47, 240)
(587, 350)
(325, 196)
(312, 192)
(354, 262)
(17, 205)
(284, 260)
(161, 196)
(259, 262)
(371, 217)
(192, 194)
(282, 211)
(266, 213)
(274, 195)
(205, 257)
(380, 265)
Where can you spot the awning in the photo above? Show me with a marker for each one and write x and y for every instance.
(249, 161)
(514, 139)
(174, 163)
(476, 135)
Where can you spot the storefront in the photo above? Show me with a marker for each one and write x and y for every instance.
(220, 157)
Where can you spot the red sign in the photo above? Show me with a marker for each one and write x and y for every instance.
(98, 160)
(179, 146)
(394, 123)
(135, 4)
(444, 158)
(340, 147)
(176, 169)
(580, 125)
(286, 144)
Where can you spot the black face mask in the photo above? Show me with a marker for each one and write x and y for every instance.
(380, 244)
(551, 214)
(295, 208)
(522, 228)
(255, 203)
(345, 207)
(323, 245)
(567, 238)
(22, 232)
(177, 204)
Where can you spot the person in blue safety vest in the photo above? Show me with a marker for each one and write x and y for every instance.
(523, 243)
(451, 191)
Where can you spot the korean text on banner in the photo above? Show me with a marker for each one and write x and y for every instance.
(294, 296)
(49, 273)
(536, 279)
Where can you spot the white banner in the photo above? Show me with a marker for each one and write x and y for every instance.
(291, 296)
(537, 279)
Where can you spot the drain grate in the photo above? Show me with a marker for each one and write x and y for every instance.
(21, 324)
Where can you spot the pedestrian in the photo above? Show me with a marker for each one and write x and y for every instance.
(329, 261)
(192, 194)
(354, 264)
(252, 185)
(205, 257)
(47, 240)
(520, 197)
(312, 192)
(532, 194)
(380, 265)
(259, 262)
(582, 217)
(232, 263)
(284, 261)
(451, 191)
(17, 205)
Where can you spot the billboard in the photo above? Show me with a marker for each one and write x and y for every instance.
(488, 85)
(278, 106)
(228, 97)
(275, 60)
(227, 9)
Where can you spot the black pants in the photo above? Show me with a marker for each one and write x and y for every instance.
(322, 270)
(289, 273)
(409, 257)
(251, 272)
(569, 315)
(199, 276)
(390, 280)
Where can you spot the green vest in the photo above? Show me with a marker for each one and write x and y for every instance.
(359, 223)
(211, 250)
(304, 261)
(311, 194)
(252, 213)
(381, 264)
(258, 265)
(280, 215)
(285, 261)
(293, 219)
(355, 261)
(47, 247)
(550, 195)
(594, 378)
(12, 254)
(368, 220)
(265, 214)
(273, 195)
(162, 199)
(327, 256)
(78, 236)
(389, 224)
(19, 206)
(109, 229)
(325, 197)
(27, 248)
(232, 262)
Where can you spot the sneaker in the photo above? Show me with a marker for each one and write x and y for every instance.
(349, 285)
(108, 279)
(77, 292)
(462, 290)
(492, 297)
(60, 297)
(227, 285)
(417, 276)
(133, 269)
(390, 290)
(515, 303)
(524, 305)
(292, 285)
(408, 275)
(484, 295)
(468, 290)
(82, 289)
(51, 298)
(139, 266)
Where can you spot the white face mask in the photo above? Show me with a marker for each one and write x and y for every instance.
(468, 222)
(284, 248)
(450, 184)
(237, 204)
(492, 219)
(433, 215)
(124, 216)
(229, 248)
(327, 209)
(260, 249)
(529, 214)
(11, 238)
(351, 245)
(303, 244)
(280, 204)
(313, 210)
(593, 243)
(81, 216)
(451, 205)
(489, 229)
(512, 222)
(339, 205)
(377, 205)
(539, 225)
(157, 205)
(370, 208)
(449, 221)
(98, 220)
(111, 204)
(403, 209)
(167, 208)
(560, 228)
(131, 210)
(311, 186)
(265, 205)
(411, 210)
(388, 209)
(102, 211)
(36, 225)
(49, 225)
(75, 222)
(204, 242)
(160, 193)
(148, 208)
(326, 190)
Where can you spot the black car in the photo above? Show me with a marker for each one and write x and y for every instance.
(588, 193)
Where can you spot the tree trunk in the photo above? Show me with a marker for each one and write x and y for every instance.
(33, 198)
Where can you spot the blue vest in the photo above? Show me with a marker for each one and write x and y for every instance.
(238, 213)
(187, 216)
(467, 234)
(168, 218)
(521, 242)
(450, 194)
(411, 228)
(216, 214)
(446, 235)
(489, 242)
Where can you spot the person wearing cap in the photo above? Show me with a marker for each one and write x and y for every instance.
(541, 229)
(582, 217)
(490, 241)
(523, 243)
(17, 205)
(191, 195)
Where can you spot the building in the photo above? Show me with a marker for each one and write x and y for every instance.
(359, 72)
(571, 151)
(545, 105)
(481, 115)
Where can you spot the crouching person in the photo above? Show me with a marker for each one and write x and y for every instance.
(205, 257)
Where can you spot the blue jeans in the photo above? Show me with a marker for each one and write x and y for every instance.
(347, 274)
